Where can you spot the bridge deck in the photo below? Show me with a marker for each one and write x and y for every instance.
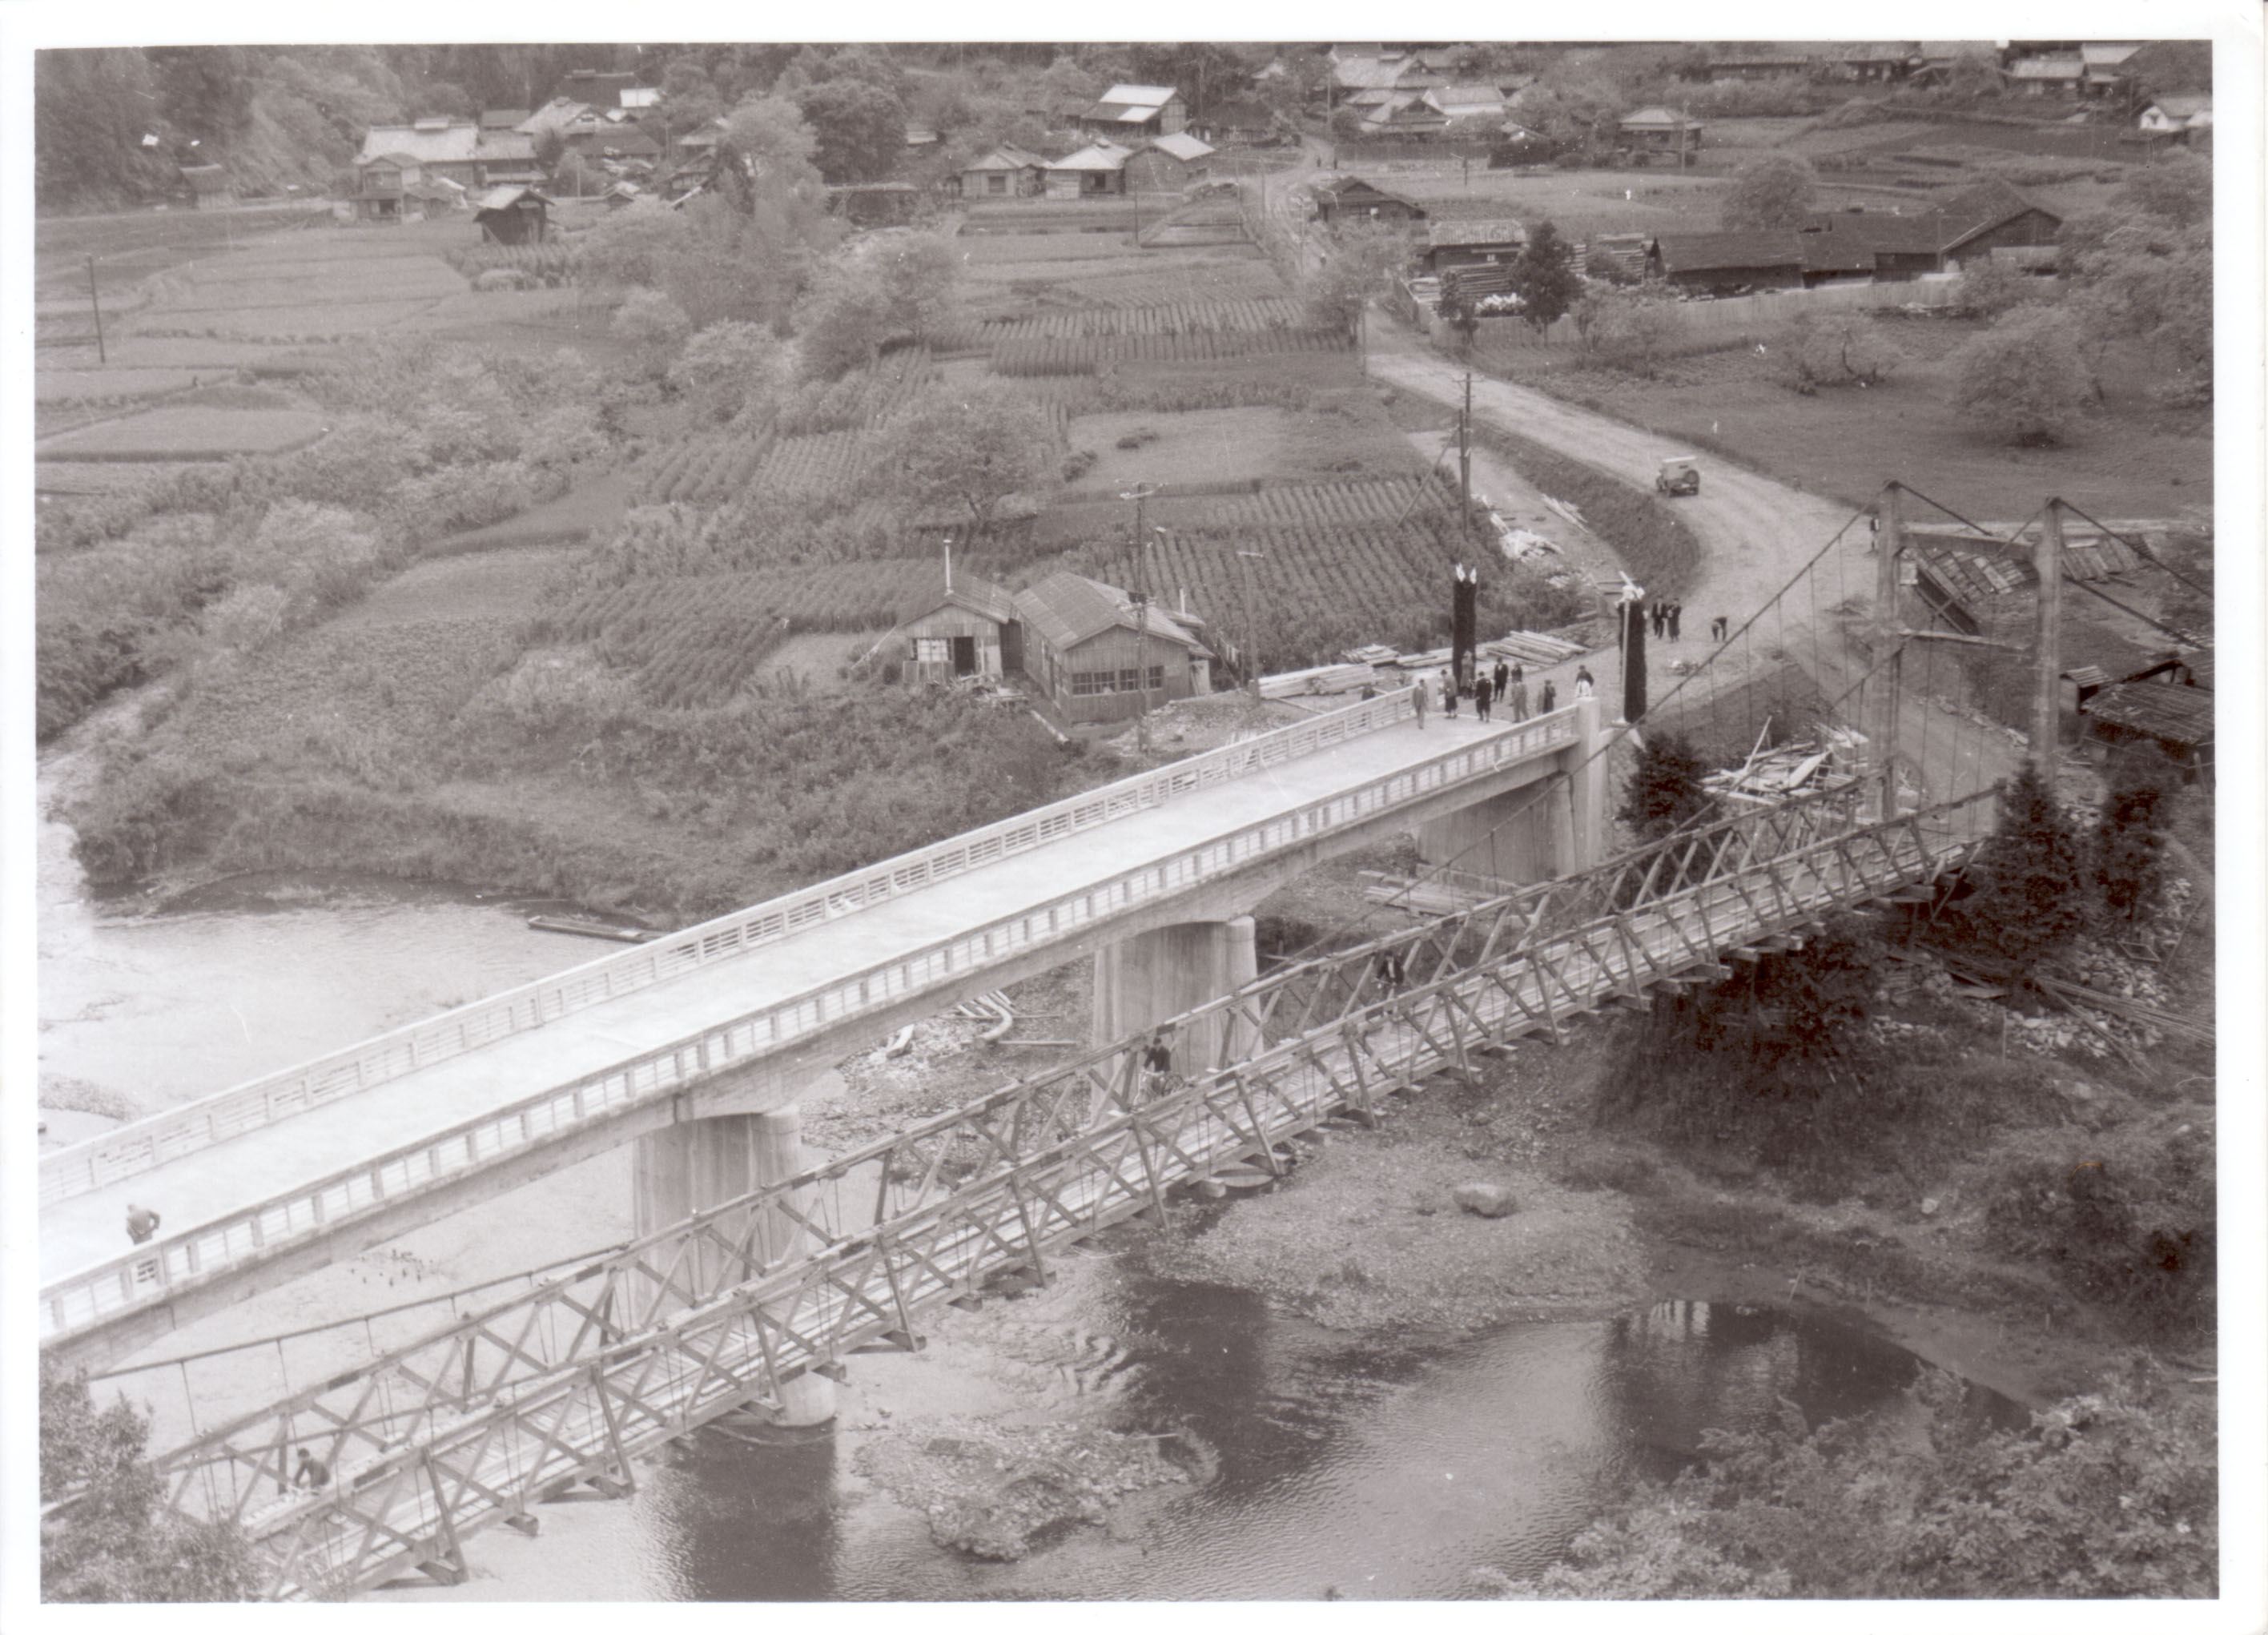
(81, 1233)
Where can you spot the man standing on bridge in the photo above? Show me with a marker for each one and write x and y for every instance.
(140, 1224)
(1418, 697)
(1515, 693)
(1482, 694)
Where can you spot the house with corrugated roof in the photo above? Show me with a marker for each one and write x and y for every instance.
(1993, 215)
(1097, 655)
(1096, 171)
(1725, 262)
(951, 624)
(1129, 113)
(516, 214)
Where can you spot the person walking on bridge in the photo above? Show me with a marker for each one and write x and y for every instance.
(1418, 697)
(1448, 696)
(1515, 693)
(1584, 687)
(1550, 699)
(1503, 674)
(140, 1224)
(1483, 694)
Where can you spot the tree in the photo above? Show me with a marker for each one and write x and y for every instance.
(118, 1543)
(1631, 329)
(1362, 257)
(1458, 312)
(2110, 1495)
(1990, 289)
(842, 321)
(920, 272)
(2027, 883)
(2177, 189)
(1769, 195)
(2129, 840)
(1544, 277)
(550, 148)
(727, 366)
(1665, 793)
(2025, 376)
(653, 325)
(972, 451)
(1346, 124)
(1834, 349)
(861, 129)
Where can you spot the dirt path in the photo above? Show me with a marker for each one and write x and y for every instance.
(1756, 535)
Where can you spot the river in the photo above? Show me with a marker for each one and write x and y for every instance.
(1363, 1468)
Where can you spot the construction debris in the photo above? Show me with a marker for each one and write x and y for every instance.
(1825, 761)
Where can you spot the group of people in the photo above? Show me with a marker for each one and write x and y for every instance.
(1507, 684)
(1663, 616)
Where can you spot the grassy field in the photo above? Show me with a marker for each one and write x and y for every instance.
(2130, 458)
(188, 434)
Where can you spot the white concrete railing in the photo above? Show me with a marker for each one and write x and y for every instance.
(148, 1143)
(148, 1275)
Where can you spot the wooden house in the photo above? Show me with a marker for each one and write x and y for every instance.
(1166, 163)
(207, 186)
(1129, 114)
(2160, 714)
(1343, 197)
(1233, 122)
(1402, 115)
(1486, 241)
(952, 624)
(1096, 171)
(2176, 119)
(395, 156)
(2061, 75)
(1006, 171)
(1994, 216)
(1657, 133)
(1725, 262)
(1900, 247)
(516, 214)
(1097, 657)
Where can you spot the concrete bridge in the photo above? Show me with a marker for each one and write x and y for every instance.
(699, 1045)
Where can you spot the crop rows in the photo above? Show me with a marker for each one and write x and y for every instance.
(705, 470)
(1088, 355)
(862, 399)
(550, 264)
(1208, 282)
(1172, 318)
(1308, 505)
(825, 462)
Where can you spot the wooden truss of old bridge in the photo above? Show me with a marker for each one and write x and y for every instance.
(574, 1380)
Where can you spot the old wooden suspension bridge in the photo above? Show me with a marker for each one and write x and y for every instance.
(572, 1381)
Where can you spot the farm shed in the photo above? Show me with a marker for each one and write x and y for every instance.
(2103, 67)
(1006, 171)
(1166, 163)
(1727, 261)
(513, 215)
(1235, 122)
(1096, 170)
(2175, 720)
(1658, 131)
(1125, 113)
(1341, 197)
(1994, 216)
(207, 186)
(1481, 243)
(1085, 645)
(951, 623)
(1901, 247)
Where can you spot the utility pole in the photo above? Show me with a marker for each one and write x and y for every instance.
(1882, 726)
(2047, 696)
(1465, 460)
(101, 352)
(1251, 637)
(1140, 497)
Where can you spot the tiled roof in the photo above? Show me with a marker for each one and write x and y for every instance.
(1470, 96)
(1067, 609)
(2179, 715)
(1007, 157)
(503, 147)
(1704, 252)
(503, 119)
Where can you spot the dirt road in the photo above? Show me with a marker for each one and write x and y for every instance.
(1756, 535)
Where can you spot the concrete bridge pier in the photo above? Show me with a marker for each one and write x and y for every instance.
(1541, 831)
(1145, 978)
(698, 1163)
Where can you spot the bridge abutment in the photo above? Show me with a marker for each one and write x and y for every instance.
(699, 1163)
(1143, 979)
(1541, 831)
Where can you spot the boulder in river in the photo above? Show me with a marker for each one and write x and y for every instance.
(1485, 1198)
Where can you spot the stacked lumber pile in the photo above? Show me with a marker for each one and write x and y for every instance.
(1325, 677)
(1531, 647)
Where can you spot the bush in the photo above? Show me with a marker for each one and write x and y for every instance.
(1834, 349)
(2025, 376)
(2024, 892)
(2132, 1230)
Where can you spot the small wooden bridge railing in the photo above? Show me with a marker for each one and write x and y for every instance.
(575, 1379)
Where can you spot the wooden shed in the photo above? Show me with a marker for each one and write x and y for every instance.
(513, 215)
(1342, 198)
(1087, 647)
(1727, 263)
(1168, 163)
(1095, 170)
(1006, 171)
(952, 624)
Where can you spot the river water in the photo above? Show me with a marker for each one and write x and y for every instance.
(1372, 1469)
